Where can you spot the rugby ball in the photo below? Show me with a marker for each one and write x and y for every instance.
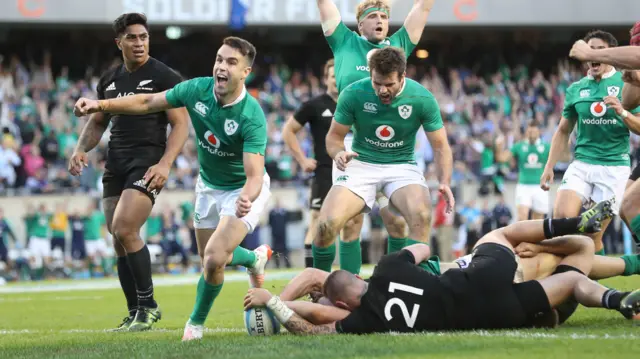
(261, 322)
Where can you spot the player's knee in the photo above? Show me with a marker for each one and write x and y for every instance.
(215, 261)
(627, 208)
(327, 229)
(419, 218)
(585, 245)
(123, 231)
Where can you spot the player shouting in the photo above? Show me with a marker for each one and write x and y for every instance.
(232, 188)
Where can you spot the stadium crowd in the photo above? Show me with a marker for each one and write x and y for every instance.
(483, 110)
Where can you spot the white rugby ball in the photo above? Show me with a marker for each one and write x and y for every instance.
(261, 322)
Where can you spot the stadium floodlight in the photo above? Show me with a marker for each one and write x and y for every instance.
(174, 32)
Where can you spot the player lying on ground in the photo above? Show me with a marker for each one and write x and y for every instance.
(628, 58)
(352, 51)
(386, 111)
(601, 166)
(138, 162)
(232, 188)
(402, 297)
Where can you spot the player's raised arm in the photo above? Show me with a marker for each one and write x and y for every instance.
(623, 57)
(329, 16)
(128, 105)
(417, 19)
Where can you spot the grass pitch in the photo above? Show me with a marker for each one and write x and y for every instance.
(68, 320)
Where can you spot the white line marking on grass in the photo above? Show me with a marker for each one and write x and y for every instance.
(95, 331)
(164, 281)
(27, 299)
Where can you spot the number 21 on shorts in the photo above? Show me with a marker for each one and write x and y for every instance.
(410, 319)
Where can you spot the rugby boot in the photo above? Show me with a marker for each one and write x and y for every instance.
(124, 326)
(256, 274)
(630, 305)
(145, 318)
(591, 220)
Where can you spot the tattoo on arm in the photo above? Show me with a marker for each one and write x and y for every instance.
(298, 325)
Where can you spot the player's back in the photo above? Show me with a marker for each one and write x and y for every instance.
(318, 113)
(137, 136)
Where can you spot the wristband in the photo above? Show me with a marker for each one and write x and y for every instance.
(279, 309)
(624, 114)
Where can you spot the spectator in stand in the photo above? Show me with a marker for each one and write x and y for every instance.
(9, 160)
(501, 213)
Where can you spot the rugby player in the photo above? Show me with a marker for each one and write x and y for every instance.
(401, 297)
(601, 166)
(386, 112)
(139, 159)
(318, 113)
(352, 51)
(628, 58)
(530, 155)
(232, 188)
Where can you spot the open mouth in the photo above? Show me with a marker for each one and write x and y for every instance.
(378, 29)
(139, 52)
(222, 79)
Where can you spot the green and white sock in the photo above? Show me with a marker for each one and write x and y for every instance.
(323, 257)
(205, 295)
(351, 256)
(243, 257)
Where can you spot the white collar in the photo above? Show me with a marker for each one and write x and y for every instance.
(404, 84)
(243, 94)
(605, 76)
(383, 42)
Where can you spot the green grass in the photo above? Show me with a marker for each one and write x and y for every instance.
(70, 324)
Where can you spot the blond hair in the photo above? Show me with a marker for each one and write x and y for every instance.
(366, 4)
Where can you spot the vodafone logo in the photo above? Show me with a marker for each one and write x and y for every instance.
(598, 109)
(212, 139)
(385, 132)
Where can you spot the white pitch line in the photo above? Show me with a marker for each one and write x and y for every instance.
(95, 331)
(157, 282)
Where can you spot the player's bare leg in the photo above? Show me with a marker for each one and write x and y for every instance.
(561, 287)
(413, 202)
(207, 289)
(523, 213)
(339, 206)
(308, 238)
(395, 225)
(630, 213)
(350, 248)
(125, 276)
(132, 210)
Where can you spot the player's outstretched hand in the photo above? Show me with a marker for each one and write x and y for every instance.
(156, 176)
(243, 206)
(77, 162)
(256, 297)
(631, 77)
(448, 196)
(85, 106)
(580, 51)
(546, 179)
(527, 250)
(343, 157)
(308, 165)
(614, 103)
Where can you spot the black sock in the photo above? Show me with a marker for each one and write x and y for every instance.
(140, 263)
(128, 285)
(560, 226)
(611, 299)
(308, 256)
(569, 306)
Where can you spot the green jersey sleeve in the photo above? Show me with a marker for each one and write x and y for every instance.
(254, 133)
(514, 150)
(430, 117)
(568, 109)
(344, 111)
(339, 37)
(401, 39)
(177, 96)
(635, 110)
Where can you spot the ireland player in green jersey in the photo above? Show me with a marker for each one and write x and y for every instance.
(628, 58)
(530, 156)
(601, 166)
(386, 112)
(233, 188)
(351, 51)
(39, 240)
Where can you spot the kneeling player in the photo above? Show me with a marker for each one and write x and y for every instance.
(401, 297)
